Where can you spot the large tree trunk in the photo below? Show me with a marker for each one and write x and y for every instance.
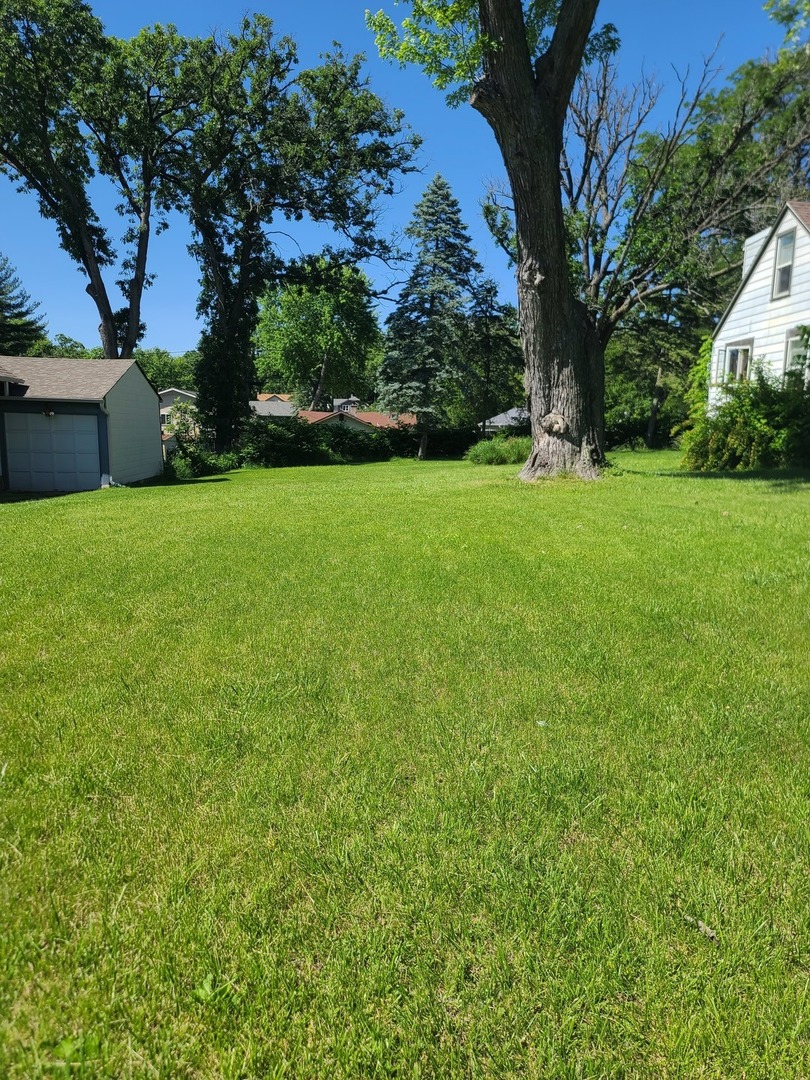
(525, 105)
(316, 397)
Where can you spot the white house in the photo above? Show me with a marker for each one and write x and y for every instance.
(169, 397)
(762, 324)
(76, 425)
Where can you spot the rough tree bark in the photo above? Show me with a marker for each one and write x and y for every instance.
(525, 105)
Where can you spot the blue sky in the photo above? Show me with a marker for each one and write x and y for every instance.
(457, 143)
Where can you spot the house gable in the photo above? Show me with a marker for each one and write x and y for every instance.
(772, 302)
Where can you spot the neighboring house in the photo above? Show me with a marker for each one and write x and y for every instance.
(359, 421)
(170, 397)
(76, 425)
(274, 397)
(346, 404)
(762, 324)
(507, 419)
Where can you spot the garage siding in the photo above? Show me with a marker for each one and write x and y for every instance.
(134, 429)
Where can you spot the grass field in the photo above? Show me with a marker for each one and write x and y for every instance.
(407, 770)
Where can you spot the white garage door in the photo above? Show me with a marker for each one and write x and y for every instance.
(52, 453)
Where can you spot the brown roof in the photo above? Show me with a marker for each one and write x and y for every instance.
(383, 420)
(801, 210)
(314, 416)
(371, 418)
(55, 379)
(280, 397)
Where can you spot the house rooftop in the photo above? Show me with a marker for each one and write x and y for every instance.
(56, 379)
(801, 210)
(262, 407)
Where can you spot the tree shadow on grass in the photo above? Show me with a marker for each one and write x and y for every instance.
(176, 481)
(157, 481)
(777, 478)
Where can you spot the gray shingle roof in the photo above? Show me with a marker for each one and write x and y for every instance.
(55, 379)
(6, 375)
(273, 408)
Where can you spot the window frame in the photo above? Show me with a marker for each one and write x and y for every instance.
(777, 266)
(791, 336)
(743, 343)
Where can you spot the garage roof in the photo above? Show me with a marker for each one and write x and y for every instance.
(55, 379)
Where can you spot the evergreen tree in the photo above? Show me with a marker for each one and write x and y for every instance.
(494, 360)
(424, 362)
(20, 329)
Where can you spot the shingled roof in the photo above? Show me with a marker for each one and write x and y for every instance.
(54, 379)
(801, 210)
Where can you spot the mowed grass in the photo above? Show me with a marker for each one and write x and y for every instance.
(407, 770)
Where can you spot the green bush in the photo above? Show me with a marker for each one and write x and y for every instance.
(193, 461)
(761, 424)
(282, 441)
(502, 450)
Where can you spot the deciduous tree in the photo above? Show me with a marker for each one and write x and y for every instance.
(76, 104)
(318, 337)
(519, 63)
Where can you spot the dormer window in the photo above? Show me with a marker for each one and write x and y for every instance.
(783, 268)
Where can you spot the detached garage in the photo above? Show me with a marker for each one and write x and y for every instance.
(76, 425)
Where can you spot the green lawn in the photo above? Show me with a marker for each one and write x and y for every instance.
(407, 770)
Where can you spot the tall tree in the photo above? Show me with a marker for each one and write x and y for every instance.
(494, 361)
(75, 105)
(425, 333)
(657, 217)
(20, 329)
(262, 141)
(519, 63)
(318, 338)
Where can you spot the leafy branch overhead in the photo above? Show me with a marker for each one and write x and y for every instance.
(446, 39)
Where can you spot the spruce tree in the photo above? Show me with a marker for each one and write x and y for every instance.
(19, 327)
(424, 353)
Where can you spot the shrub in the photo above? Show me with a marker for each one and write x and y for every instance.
(193, 461)
(502, 450)
(761, 424)
(281, 441)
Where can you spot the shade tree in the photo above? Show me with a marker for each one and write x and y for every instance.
(318, 336)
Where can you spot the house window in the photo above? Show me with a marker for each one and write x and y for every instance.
(796, 353)
(738, 360)
(784, 264)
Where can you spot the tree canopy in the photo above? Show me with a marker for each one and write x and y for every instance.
(318, 338)
(225, 129)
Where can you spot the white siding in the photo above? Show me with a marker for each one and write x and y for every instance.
(168, 397)
(133, 429)
(755, 316)
(751, 248)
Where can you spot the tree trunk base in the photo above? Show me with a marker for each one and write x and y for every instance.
(553, 455)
